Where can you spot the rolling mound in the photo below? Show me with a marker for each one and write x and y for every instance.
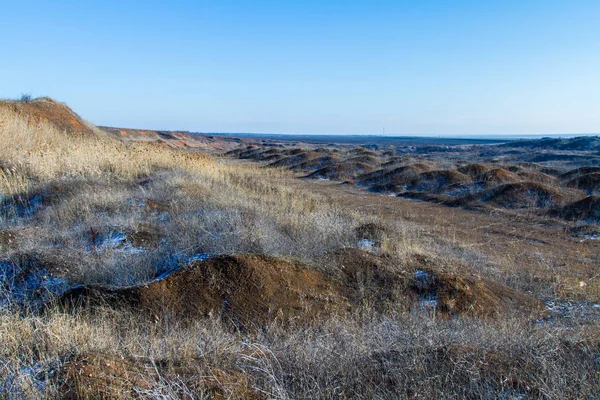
(539, 177)
(317, 163)
(295, 157)
(474, 170)
(437, 180)
(365, 159)
(499, 175)
(578, 172)
(342, 171)
(585, 209)
(582, 143)
(93, 375)
(243, 289)
(45, 109)
(588, 182)
(171, 139)
(523, 195)
(253, 290)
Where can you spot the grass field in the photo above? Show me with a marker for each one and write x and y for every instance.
(336, 306)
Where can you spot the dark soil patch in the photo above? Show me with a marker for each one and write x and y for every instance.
(475, 170)
(499, 175)
(145, 236)
(588, 182)
(524, 195)
(578, 171)
(243, 289)
(341, 172)
(95, 375)
(585, 209)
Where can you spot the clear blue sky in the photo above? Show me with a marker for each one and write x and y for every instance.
(415, 67)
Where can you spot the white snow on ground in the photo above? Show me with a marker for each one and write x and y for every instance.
(590, 237)
(366, 244)
(33, 290)
(195, 257)
(571, 312)
(424, 282)
(28, 382)
(200, 257)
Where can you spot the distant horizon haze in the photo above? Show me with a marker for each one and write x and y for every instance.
(428, 68)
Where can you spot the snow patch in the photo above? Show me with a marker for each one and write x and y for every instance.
(33, 289)
(199, 257)
(30, 381)
(589, 237)
(366, 244)
(572, 311)
(424, 282)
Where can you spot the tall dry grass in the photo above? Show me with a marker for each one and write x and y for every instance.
(59, 193)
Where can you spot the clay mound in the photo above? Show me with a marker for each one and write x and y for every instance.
(272, 158)
(294, 151)
(474, 170)
(365, 159)
(378, 282)
(475, 297)
(317, 163)
(182, 140)
(103, 376)
(585, 209)
(396, 177)
(499, 175)
(394, 162)
(524, 195)
(437, 180)
(244, 289)
(361, 151)
(539, 177)
(577, 172)
(556, 172)
(252, 153)
(582, 143)
(394, 181)
(249, 291)
(45, 109)
(341, 172)
(588, 182)
(387, 285)
(298, 156)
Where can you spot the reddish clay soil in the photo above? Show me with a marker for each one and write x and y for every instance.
(58, 114)
(96, 375)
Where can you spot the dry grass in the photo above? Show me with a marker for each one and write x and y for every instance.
(413, 356)
(91, 209)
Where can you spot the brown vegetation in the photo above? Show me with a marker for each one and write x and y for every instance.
(199, 277)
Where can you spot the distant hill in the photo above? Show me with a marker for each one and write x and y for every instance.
(45, 109)
(61, 116)
(580, 143)
(173, 139)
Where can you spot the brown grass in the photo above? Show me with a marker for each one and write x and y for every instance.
(66, 197)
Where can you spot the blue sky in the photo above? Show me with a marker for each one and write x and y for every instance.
(413, 67)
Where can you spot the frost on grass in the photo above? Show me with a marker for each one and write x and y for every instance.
(116, 242)
(28, 288)
(425, 284)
